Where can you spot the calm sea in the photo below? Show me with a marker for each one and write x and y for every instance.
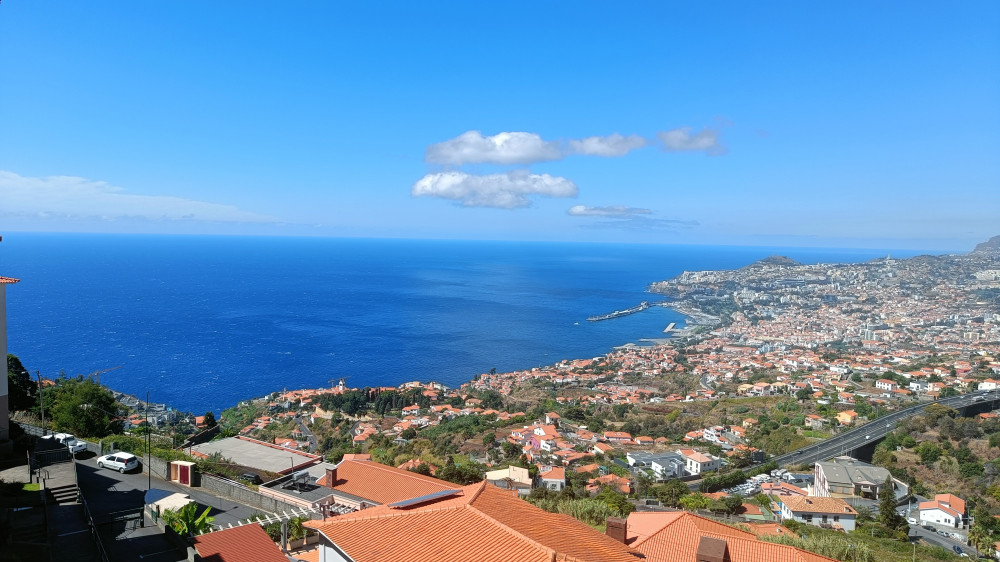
(204, 322)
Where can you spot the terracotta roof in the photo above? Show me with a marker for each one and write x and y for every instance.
(246, 543)
(382, 484)
(816, 504)
(8, 280)
(674, 537)
(472, 527)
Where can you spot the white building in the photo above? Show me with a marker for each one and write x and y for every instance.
(821, 512)
(698, 463)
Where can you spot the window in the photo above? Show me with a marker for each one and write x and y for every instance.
(836, 518)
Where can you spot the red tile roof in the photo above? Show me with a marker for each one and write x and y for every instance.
(8, 280)
(674, 537)
(475, 526)
(247, 543)
(383, 484)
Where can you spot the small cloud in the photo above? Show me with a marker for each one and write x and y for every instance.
(682, 140)
(504, 191)
(617, 211)
(642, 223)
(613, 145)
(68, 197)
(503, 148)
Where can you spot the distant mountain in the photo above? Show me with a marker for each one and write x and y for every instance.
(775, 260)
(991, 246)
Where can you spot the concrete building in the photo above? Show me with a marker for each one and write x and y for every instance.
(698, 463)
(822, 512)
(847, 477)
(4, 390)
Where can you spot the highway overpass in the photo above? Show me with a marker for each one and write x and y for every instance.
(865, 436)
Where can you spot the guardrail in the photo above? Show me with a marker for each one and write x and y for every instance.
(93, 530)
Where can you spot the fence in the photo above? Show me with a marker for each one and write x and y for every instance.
(238, 492)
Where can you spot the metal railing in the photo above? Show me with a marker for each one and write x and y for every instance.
(93, 530)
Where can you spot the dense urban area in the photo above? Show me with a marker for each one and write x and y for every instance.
(804, 412)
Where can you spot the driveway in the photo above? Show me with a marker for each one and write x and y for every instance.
(111, 496)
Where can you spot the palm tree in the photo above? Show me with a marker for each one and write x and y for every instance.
(981, 538)
(187, 522)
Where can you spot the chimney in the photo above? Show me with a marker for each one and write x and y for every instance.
(331, 477)
(617, 529)
(711, 550)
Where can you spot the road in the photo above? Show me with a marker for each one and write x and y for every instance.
(313, 444)
(851, 439)
(109, 493)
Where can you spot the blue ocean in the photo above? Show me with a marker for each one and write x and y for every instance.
(203, 322)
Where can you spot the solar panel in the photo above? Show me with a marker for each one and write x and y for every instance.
(427, 498)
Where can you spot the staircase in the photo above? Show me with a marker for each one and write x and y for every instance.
(68, 493)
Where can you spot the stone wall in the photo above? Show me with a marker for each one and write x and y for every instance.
(243, 494)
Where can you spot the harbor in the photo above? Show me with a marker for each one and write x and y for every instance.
(619, 313)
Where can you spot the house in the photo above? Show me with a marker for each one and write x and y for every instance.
(618, 436)
(782, 489)
(552, 418)
(246, 543)
(846, 477)
(847, 417)
(681, 536)
(363, 483)
(697, 463)
(886, 385)
(553, 479)
(819, 511)
(945, 509)
(601, 449)
(471, 523)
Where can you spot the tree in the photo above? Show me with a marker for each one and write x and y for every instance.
(22, 392)
(695, 501)
(671, 492)
(887, 506)
(209, 420)
(733, 503)
(463, 474)
(85, 408)
(187, 522)
(803, 394)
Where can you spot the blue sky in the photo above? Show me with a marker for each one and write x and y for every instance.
(842, 124)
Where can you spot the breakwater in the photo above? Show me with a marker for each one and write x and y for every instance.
(619, 313)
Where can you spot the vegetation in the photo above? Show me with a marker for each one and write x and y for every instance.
(83, 407)
(186, 521)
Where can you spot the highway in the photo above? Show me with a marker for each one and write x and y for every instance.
(857, 437)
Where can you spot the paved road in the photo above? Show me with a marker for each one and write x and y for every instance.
(107, 492)
(858, 437)
(313, 443)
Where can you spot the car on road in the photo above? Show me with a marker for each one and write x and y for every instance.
(69, 440)
(911, 520)
(121, 462)
(956, 548)
(944, 533)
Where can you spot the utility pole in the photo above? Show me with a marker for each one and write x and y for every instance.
(41, 399)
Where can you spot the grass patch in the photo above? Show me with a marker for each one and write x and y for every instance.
(816, 434)
(34, 487)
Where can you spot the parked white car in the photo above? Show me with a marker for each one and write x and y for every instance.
(69, 440)
(118, 461)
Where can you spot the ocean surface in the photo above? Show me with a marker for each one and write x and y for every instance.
(203, 322)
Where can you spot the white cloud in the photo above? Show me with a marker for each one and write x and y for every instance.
(617, 211)
(505, 191)
(503, 148)
(682, 139)
(68, 197)
(610, 146)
